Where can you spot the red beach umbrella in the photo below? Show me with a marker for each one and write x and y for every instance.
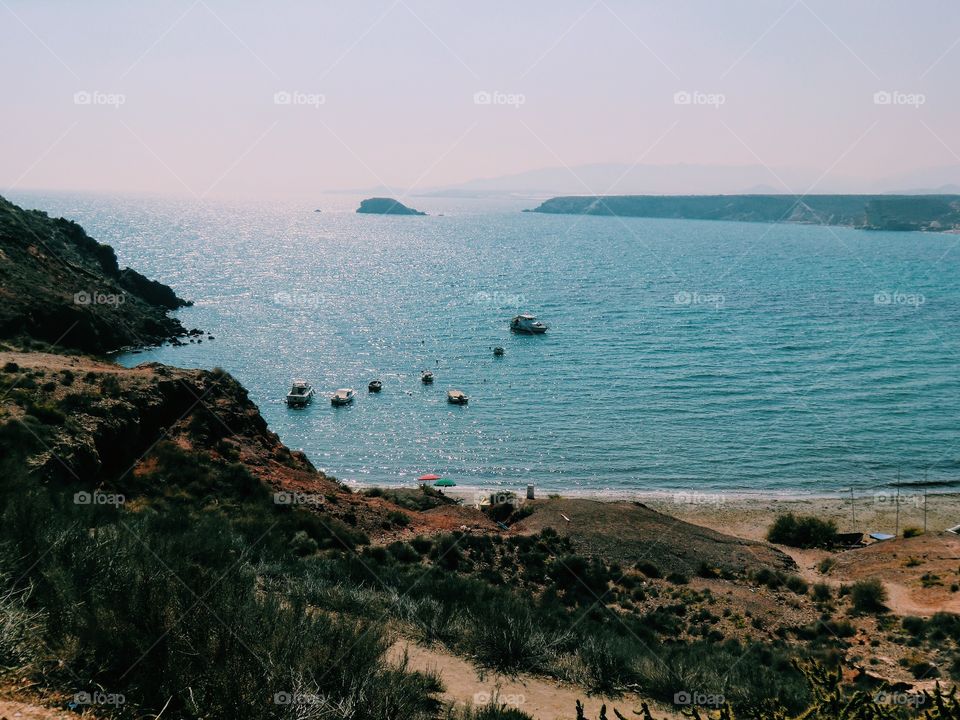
(429, 477)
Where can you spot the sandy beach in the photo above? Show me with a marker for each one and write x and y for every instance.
(749, 515)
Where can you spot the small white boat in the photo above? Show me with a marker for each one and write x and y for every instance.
(528, 323)
(426, 377)
(375, 386)
(456, 397)
(301, 392)
(343, 396)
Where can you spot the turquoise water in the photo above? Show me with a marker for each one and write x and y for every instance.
(722, 357)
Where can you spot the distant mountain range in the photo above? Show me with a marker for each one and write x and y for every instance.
(684, 179)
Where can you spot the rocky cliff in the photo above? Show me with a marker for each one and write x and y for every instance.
(63, 288)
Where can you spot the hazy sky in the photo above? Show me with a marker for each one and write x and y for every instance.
(182, 96)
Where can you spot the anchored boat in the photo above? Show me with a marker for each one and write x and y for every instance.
(528, 323)
(301, 392)
(343, 396)
(456, 397)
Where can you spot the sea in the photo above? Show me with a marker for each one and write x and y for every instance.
(682, 356)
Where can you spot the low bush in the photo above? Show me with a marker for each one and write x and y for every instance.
(47, 413)
(511, 639)
(648, 569)
(802, 531)
(822, 592)
(868, 596)
(796, 584)
(771, 578)
(608, 661)
(488, 712)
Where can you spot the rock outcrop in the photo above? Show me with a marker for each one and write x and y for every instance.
(61, 287)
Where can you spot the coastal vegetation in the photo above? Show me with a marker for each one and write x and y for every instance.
(802, 531)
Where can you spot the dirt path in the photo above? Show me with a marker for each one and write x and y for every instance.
(540, 698)
(11, 710)
(903, 601)
(900, 565)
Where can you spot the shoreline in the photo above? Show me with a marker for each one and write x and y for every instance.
(750, 515)
(909, 494)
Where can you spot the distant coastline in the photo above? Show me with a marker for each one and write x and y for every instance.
(927, 213)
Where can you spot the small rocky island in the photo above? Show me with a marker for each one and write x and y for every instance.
(386, 206)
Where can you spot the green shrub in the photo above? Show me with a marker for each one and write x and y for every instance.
(909, 532)
(796, 584)
(803, 531)
(21, 630)
(47, 413)
(302, 544)
(488, 712)
(580, 579)
(707, 571)
(771, 578)
(822, 592)
(422, 544)
(403, 552)
(510, 638)
(868, 596)
(608, 660)
(110, 386)
(916, 626)
(923, 670)
(648, 569)
(446, 553)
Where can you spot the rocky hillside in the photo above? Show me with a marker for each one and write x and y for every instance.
(61, 287)
(869, 212)
(152, 430)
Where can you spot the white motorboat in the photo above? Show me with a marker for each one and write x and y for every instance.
(343, 396)
(301, 392)
(456, 397)
(528, 323)
(426, 377)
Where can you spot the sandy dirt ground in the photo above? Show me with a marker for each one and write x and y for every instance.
(543, 699)
(13, 710)
(750, 517)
